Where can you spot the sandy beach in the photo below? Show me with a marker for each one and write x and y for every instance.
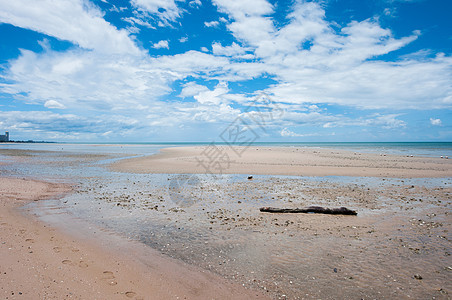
(397, 247)
(41, 262)
(285, 161)
(161, 227)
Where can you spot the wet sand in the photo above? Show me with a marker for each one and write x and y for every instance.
(399, 245)
(41, 262)
(285, 161)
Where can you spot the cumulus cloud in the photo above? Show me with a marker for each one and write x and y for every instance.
(161, 44)
(214, 96)
(286, 132)
(313, 64)
(435, 122)
(338, 68)
(191, 89)
(85, 79)
(241, 9)
(76, 21)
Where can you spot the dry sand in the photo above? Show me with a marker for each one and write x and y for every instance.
(41, 262)
(284, 161)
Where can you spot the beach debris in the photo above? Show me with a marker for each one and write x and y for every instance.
(417, 276)
(250, 177)
(311, 209)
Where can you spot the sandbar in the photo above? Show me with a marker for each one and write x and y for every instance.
(284, 161)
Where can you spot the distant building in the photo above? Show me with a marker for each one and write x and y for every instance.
(4, 138)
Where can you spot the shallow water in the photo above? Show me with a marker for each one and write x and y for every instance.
(402, 228)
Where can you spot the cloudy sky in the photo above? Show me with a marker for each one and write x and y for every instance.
(175, 70)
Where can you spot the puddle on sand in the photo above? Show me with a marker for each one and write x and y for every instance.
(402, 228)
(215, 223)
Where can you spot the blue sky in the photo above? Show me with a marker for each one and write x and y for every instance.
(175, 70)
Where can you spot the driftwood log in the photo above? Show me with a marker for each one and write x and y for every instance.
(311, 209)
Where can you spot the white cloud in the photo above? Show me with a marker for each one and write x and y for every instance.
(195, 3)
(48, 125)
(233, 50)
(435, 122)
(191, 63)
(386, 121)
(211, 24)
(338, 68)
(53, 104)
(367, 39)
(166, 10)
(212, 113)
(240, 9)
(137, 21)
(84, 81)
(77, 21)
(285, 132)
(313, 65)
(191, 89)
(250, 23)
(215, 96)
(389, 11)
(288, 133)
(90, 80)
(193, 113)
(324, 120)
(161, 44)
(329, 125)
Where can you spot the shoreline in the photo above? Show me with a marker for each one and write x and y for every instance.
(140, 236)
(60, 265)
(284, 161)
